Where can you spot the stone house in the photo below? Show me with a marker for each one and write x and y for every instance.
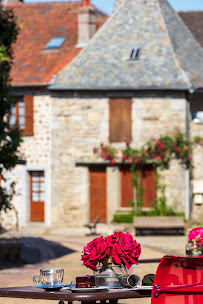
(51, 35)
(136, 79)
(140, 75)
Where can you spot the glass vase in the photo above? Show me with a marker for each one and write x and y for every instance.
(109, 274)
(193, 248)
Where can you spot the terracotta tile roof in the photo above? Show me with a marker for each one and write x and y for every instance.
(194, 20)
(39, 22)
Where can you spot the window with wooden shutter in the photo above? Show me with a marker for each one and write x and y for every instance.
(28, 131)
(22, 115)
(120, 119)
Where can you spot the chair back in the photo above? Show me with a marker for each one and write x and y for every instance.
(178, 280)
(96, 220)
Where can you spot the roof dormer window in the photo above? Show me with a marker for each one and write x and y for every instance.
(135, 54)
(55, 43)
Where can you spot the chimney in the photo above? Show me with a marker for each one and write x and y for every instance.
(86, 23)
(7, 2)
(86, 2)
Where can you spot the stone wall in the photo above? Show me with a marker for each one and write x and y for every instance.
(79, 124)
(36, 151)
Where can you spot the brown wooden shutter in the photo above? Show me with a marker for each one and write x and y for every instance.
(28, 99)
(120, 119)
(126, 186)
(149, 187)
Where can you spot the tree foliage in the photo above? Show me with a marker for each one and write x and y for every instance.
(10, 136)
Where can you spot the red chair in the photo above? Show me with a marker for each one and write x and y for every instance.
(178, 280)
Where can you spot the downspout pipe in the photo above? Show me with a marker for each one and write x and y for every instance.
(187, 171)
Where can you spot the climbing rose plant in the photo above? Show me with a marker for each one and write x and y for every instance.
(158, 150)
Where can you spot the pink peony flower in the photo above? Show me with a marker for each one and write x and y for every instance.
(124, 250)
(196, 234)
(127, 143)
(120, 247)
(112, 162)
(93, 252)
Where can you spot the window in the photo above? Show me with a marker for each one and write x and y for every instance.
(197, 116)
(37, 193)
(120, 119)
(55, 43)
(22, 115)
(134, 54)
(18, 114)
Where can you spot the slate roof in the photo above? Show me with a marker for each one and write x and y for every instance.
(39, 22)
(170, 57)
(194, 20)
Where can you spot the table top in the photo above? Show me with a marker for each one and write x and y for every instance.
(32, 292)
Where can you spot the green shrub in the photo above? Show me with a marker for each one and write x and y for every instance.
(123, 218)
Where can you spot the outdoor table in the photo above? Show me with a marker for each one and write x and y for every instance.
(113, 295)
(32, 292)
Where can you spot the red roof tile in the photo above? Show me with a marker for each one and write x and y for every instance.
(194, 21)
(39, 22)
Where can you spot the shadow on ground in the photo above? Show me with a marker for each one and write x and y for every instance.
(29, 250)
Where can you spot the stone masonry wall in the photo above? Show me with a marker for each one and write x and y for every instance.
(80, 124)
(36, 151)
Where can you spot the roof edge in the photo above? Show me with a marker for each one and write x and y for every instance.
(62, 88)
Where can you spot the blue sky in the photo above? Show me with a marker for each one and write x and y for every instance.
(106, 5)
(178, 5)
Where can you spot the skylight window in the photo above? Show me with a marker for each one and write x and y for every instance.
(55, 43)
(134, 54)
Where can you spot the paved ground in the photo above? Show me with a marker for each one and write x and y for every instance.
(61, 249)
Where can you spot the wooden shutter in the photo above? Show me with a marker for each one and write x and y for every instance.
(149, 187)
(120, 119)
(28, 99)
(126, 186)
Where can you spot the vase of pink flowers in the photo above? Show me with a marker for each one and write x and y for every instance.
(111, 257)
(194, 247)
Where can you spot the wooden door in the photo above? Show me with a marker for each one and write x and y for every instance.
(149, 187)
(126, 186)
(98, 194)
(37, 196)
